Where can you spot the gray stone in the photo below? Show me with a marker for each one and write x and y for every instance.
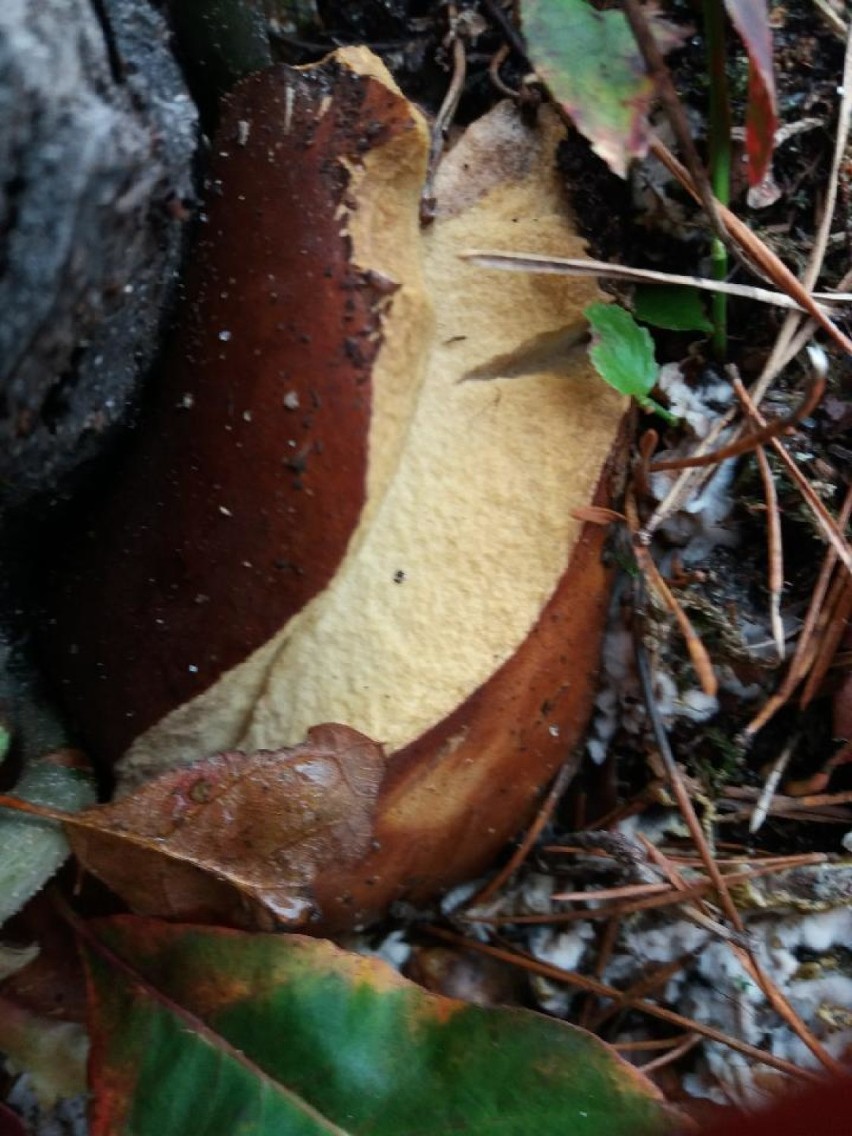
(97, 138)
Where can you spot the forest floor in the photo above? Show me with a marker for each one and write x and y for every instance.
(687, 893)
(766, 758)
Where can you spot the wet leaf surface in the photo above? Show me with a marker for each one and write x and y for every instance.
(236, 838)
(211, 1031)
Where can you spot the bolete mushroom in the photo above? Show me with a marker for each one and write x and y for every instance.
(352, 501)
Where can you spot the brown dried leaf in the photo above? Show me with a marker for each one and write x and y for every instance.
(236, 838)
(323, 522)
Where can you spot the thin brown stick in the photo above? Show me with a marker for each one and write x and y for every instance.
(812, 800)
(632, 807)
(603, 957)
(762, 259)
(646, 985)
(825, 520)
(796, 332)
(560, 784)
(629, 891)
(747, 442)
(618, 909)
(834, 627)
(510, 261)
(497, 60)
(774, 551)
(804, 654)
(780, 811)
(700, 912)
(765, 865)
(675, 1054)
(689, 481)
(831, 17)
(508, 29)
(749, 962)
(669, 898)
(745, 955)
(649, 1045)
(820, 780)
(661, 76)
(597, 515)
(641, 478)
(444, 117)
(697, 651)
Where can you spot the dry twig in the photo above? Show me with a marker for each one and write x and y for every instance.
(445, 115)
(745, 955)
(560, 784)
(805, 652)
(774, 549)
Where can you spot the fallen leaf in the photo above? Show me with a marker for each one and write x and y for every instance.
(320, 520)
(235, 838)
(590, 62)
(209, 1031)
(751, 19)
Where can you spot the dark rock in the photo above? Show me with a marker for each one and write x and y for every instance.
(97, 137)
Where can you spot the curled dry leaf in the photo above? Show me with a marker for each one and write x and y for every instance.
(233, 838)
(322, 519)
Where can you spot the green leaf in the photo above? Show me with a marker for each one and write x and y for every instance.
(32, 850)
(591, 64)
(672, 306)
(622, 353)
(211, 1031)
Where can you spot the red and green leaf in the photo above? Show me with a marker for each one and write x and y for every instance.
(591, 64)
(751, 19)
(215, 1031)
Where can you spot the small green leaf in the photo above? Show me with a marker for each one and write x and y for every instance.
(672, 306)
(622, 353)
(210, 1031)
